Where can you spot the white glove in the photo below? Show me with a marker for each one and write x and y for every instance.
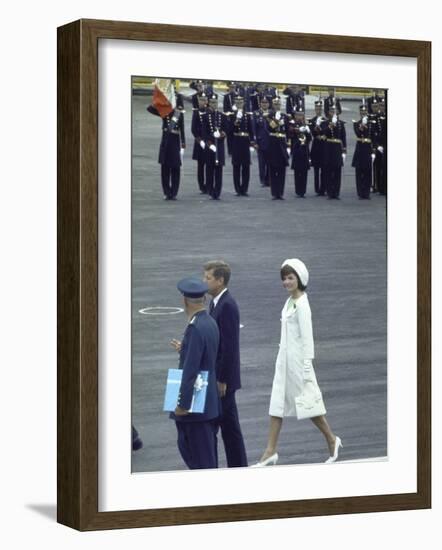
(380, 149)
(213, 148)
(307, 370)
(373, 156)
(239, 115)
(334, 119)
(307, 129)
(278, 115)
(216, 134)
(288, 151)
(251, 149)
(343, 157)
(202, 144)
(182, 152)
(364, 120)
(318, 121)
(234, 108)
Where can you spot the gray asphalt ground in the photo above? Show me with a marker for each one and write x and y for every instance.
(343, 243)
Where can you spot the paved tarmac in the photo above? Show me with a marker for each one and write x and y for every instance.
(343, 243)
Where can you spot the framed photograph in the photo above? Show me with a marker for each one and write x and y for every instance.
(167, 140)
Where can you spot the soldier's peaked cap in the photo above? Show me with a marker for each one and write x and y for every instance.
(192, 287)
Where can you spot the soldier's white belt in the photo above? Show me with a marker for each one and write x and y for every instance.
(278, 134)
(241, 134)
(334, 140)
(171, 131)
(363, 140)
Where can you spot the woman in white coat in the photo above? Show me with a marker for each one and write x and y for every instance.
(295, 391)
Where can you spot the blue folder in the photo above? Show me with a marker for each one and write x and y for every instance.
(173, 388)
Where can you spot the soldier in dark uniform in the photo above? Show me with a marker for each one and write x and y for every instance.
(172, 145)
(317, 149)
(363, 156)
(335, 149)
(380, 163)
(262, 140)
(332, 100)
(197, 85)
(229, 109)
(215, 127)
(376, 97)
(198, 352)
(199, 153)
(278, 152)
(295, 99)
(243, 140)
(300, 138)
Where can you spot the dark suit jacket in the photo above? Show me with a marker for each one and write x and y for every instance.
(226, 315)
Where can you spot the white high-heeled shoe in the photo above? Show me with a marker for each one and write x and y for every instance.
(270, 461)
(334, 457)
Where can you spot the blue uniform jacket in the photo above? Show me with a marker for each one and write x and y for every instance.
(226, 315)
(199, 349)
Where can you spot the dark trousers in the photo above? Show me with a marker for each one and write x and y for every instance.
(231, 432)
(229, 144)
(363, 183)
(200, 176)
(241, 178)
(277, 180)
(197, 444)
(170, 180)
(300, 182)
(333, 181)
(319, 180)
(263, 168)
(380, 174)
(214, 180)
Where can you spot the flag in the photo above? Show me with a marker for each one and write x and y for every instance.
(163, 96)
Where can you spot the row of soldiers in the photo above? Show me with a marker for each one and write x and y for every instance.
(279, 139)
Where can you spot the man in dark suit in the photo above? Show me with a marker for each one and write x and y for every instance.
(224, 310)
(198, 351)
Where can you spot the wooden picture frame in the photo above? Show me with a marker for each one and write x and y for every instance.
(77, 224)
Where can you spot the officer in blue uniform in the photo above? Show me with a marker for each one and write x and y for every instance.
(262, 139)
(173, 142)
(199, 153)
(317, 149)
(335, 150)
(300, 138)
(278, 153)
(198, 352)
(215, 128)
(364, 155)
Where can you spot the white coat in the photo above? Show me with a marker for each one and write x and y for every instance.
(296, 345)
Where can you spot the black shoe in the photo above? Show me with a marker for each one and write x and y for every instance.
(137, 444)
(245, 194)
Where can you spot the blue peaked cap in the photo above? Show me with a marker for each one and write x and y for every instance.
(192, 287)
